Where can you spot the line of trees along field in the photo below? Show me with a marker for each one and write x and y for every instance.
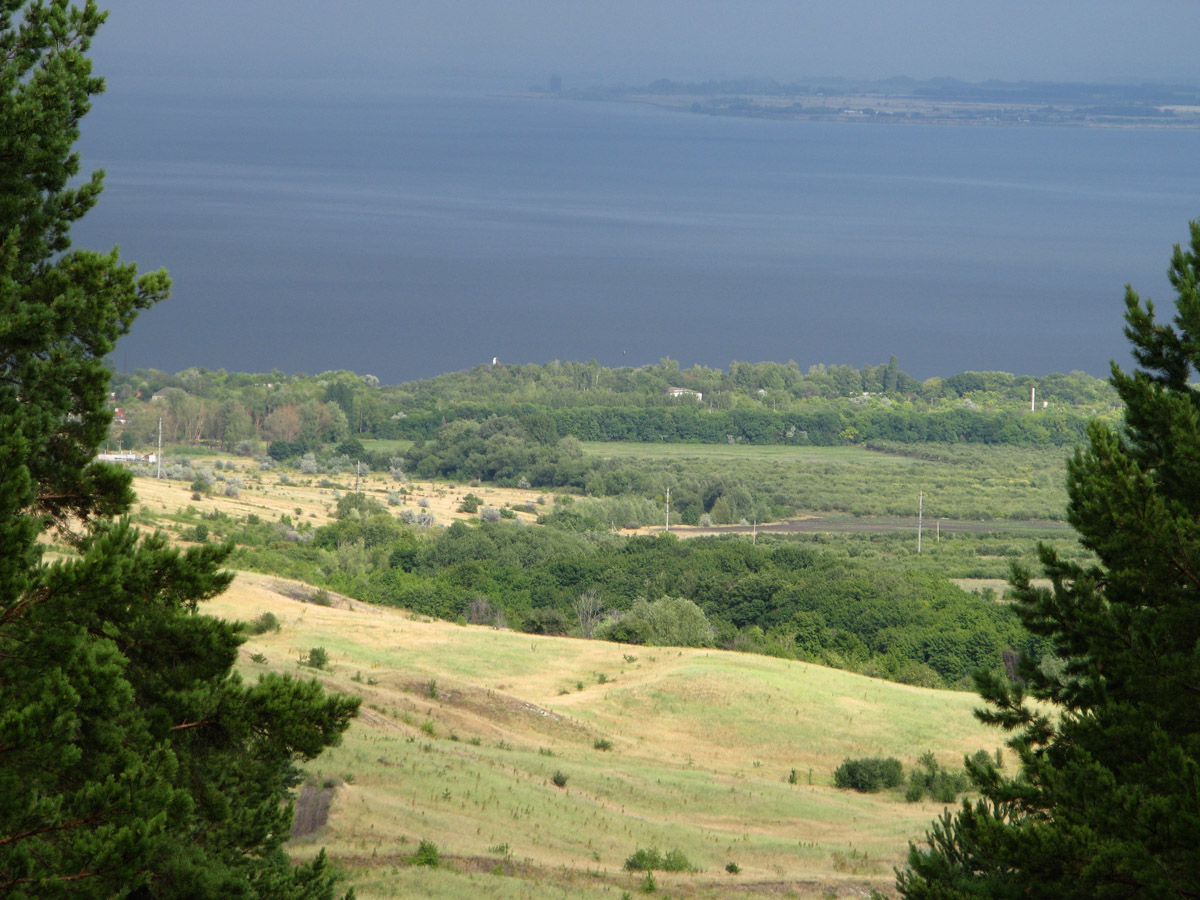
(757, 403)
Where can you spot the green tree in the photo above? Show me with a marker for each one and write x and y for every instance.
(133, 760)
(1106, 802)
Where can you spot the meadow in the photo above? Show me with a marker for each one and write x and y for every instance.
(726, 757)
(960, 481)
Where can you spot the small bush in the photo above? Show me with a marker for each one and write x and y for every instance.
(602, 744)
(316, 658)
(676, 861)
(268, 621)
(942, 785)
(198, 534)
(870, 774)
(559, 779)
(732, 868)
(427, 855)
(646, 860)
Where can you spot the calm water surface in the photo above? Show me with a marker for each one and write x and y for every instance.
(318, 228)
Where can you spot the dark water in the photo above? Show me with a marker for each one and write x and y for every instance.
(405, 236)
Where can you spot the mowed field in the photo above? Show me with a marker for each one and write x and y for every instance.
(463, 729)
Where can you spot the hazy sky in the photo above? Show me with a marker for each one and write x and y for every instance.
(499, 42)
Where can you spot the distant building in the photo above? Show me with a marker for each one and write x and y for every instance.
(685, 392)
(127, 457)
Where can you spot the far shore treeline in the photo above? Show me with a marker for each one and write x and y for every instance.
(754, 403)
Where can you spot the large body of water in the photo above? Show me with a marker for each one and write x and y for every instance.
(406, 236)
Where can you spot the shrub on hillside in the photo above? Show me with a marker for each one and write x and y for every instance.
(268, 621)
(647, 860)
(930, 779)
(869, 774)
(316, 658)
(545, 620)
(427, 855)
(666, 622)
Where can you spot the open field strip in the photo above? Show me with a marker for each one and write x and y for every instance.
(462, 729)
(271, 494)
(783, 453)
(965, 482)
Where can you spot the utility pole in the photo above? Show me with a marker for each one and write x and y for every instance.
(158, 459)
(920, 518)
(357, 474)
(667, 529)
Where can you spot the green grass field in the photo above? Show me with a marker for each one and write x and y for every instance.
(958, 481)
(463, 729)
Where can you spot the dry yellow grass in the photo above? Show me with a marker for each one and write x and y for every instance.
(463, 727)
(275, 493)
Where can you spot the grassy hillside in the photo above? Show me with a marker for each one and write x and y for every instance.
(463, 730)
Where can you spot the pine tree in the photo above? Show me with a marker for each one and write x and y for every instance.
(1107, 800)
(133, 760)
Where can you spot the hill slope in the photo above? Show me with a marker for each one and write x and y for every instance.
(464, 728)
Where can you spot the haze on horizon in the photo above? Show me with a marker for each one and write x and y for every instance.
(428, 44)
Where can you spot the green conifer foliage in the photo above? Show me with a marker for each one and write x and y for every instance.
(133, 760)
(1107, 801)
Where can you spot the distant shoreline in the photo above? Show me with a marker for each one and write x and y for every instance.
(938, 102)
